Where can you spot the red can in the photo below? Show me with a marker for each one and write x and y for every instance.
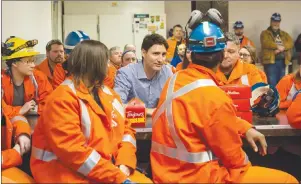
(135, 113)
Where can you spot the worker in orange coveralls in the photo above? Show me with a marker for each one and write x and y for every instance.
(287, 87)
(60, 70)
(202, 142)
(232, 70)
(14, 129)
(294, 111)
(83, 136)
(24, 88)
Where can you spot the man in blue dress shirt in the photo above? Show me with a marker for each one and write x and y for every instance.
(145, 80)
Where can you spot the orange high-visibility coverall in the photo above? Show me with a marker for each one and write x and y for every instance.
(263, 76)
(287, 88)
(14, 126)
(246, 41)
(44, 67)
(172, 47)
(37, 88)
(196, 135)
(242, 73)
(59, 75)
(76, 139)
(109, 80)
(293, 113)
(180, 66)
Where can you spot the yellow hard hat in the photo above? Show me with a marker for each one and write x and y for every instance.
(15, 47)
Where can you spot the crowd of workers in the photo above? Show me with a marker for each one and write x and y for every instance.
(80, 89)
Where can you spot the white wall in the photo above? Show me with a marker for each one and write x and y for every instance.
(106, 7)
(28, 20)
(115, 18)
(56, 19)
(256, 16)
(177, 12)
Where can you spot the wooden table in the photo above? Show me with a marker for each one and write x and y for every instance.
(276, 129)
(269, 126)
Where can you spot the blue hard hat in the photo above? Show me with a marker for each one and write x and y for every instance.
(276, 17)
(265, 104)
(73, 38)
(206, 37)
(238, 25)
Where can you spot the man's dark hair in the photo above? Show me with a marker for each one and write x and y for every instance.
(89, 59)
(208, 60)
(53, 42)
(178, 25)
(153, 39)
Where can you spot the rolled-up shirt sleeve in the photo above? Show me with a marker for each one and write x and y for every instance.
(122, 85)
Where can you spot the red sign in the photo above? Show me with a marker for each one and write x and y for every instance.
(210, 41)
(242, 105)
(135, 113)
(238, 91)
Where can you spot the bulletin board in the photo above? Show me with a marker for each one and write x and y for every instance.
(144, 24)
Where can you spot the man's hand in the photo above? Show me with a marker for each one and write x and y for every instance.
(280, 48)
(277, 51)
(27, 106)
(24, 142)
(17, 148)
(149, 112)
(125, 170)
(252, 137)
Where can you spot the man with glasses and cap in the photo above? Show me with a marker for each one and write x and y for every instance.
(276, 46)
(238, 28)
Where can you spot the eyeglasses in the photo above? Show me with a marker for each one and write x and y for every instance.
(131, 59)
(244, 55)
(29, 61)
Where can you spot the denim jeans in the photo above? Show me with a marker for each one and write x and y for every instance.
(275, 71)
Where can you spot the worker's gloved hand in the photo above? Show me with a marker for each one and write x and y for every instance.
(252, 137)
(24, 142)
(128, 181)
(17, 148)
(125, 170)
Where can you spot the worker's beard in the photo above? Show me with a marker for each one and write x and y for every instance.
(239, 34)
(226, 66)
(57, 60)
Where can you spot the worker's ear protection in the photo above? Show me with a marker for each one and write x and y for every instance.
(196, 17)
(214, 16)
